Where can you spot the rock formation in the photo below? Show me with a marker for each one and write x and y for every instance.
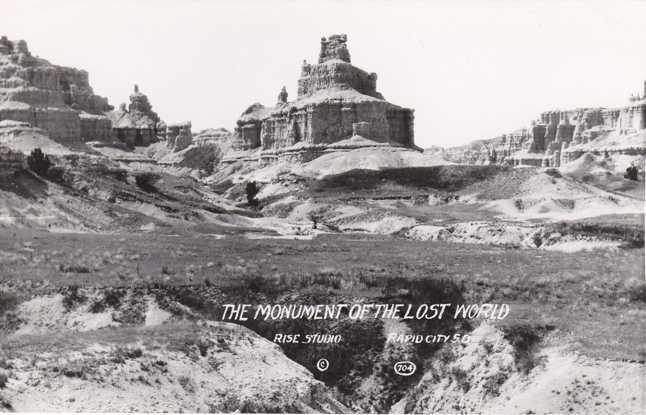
(333, 96)
(335, 71)
(538, 138)
(334, 47)
(213, 135)
(138, 124)
(55, 98)
(249, 126)
(179, 136)
(10, 161)
(557, 136)
(282, 96)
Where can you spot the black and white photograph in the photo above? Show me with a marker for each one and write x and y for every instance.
(324, 206)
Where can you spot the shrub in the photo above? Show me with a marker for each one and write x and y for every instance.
(632, 236)
(38, 162)
(251, 189)
(111, 298)
(537, 239)
(55, 173)
(146, 181)
(72, 296)
(461, 377)
(525, 339)
(121, 354)
(315, 218)
(352, 359)
(632, 173)
(8, 301)
(186, 383)
(5, 404)
(77, 268)
(635, 290)
(518, 203)
(74, 371)
(417, 291)
(493, 383)
(389, 387)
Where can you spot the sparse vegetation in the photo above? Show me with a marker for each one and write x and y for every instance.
(5, 404)
(389, 387)
(192, 277)
(55, 173)
(186, 383)
(635, 290)
(251, 190)
(38, 162)
(121, 354)
(419, 179)
(632, 173)
(72, 296)
(518, 203)
(111, 299)
(78, 268)
(631, 235)
(315, 219)
(8, 301)
(493, 383)
(146, 181)
(4, 378)
(553, 172)
(74, 371)
(461, 377)
(525, 339)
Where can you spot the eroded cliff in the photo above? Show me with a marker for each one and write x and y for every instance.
(55, 98)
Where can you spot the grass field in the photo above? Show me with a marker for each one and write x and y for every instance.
(595, 299)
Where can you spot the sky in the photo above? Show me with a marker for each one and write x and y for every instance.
(470, 69)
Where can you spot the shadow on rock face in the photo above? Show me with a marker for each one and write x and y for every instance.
(24, 184)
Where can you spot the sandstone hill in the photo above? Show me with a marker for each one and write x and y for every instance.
(336, 101)
(60, 101)
(138, 124)
(55, 98)
(560, 136)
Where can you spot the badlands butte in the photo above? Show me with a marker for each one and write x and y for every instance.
(125, 235)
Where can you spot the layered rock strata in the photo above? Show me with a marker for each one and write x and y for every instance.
(10, 161)
(213, 135)
(179, 136)
(560, 136)
(334, 97)
(138, 124)
(55, 98)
